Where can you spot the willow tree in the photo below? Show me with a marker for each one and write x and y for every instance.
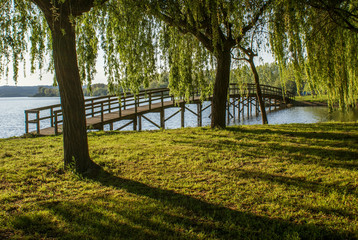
(50, 26)
(195, 32)
(311, 38)
(343, 13)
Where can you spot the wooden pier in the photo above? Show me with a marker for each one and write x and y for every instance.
(107, 110)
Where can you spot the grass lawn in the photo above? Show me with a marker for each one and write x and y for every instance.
(250, 182)
(312, 98)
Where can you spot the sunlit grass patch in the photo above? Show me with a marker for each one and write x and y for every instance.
(312, 98)
(291, 181)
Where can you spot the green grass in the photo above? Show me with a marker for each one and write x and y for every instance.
(313, 98)
(251, 182)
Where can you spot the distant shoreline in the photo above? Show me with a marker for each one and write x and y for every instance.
(19, 91)
(47, 91)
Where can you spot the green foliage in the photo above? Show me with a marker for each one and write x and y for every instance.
(23, 31)
(328, 51)
(189, 36)
(189, 63)
(128, 41)
(269, 74)
(47, 92)
(143, 39)
(87, 47)
(139, 43)
(295, 181)
(313, 98)
(98, 89)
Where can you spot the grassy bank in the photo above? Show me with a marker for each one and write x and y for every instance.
(310, 100)
(251, 182)
(313, 98)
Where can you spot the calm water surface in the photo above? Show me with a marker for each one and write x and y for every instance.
(304, 115)
(12, 116)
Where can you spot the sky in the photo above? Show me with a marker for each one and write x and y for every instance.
(47, 78)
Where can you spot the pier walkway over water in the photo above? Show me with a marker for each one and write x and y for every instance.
(107, 110)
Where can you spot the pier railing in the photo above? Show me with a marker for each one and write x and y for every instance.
(266, 90)
(52, 116)
(97, 106)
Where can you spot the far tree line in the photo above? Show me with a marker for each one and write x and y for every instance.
(95, 90)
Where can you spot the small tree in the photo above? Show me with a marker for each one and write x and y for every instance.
(250, 54)
(247, 50)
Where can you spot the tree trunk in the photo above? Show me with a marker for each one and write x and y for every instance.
(221, 86)
(258, 92)
(74, 122)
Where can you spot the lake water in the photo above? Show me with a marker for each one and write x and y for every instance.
(12, 116)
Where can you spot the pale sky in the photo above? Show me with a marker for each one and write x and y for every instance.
(47, 78)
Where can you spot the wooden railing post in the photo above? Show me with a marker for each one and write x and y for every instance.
(199, 109)
(140, 122)
(150, 101)
(162, 98)
(26, 122)
(162, 118)
(109, 104)
(135, 123)
(182, 105)
(92, 108)
(135, 105)
(56, 126)
(51, 112)
(38, 122)
(120, 108)
(102, 112)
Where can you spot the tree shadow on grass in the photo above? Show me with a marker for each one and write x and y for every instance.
(314, 133)
(154, 213)
(299, 182)
(317, 153)
(78, 221)
(214, 220)
(337, 158)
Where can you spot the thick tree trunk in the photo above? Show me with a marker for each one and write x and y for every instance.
(258, 92)
(221, 86)
(74, 122)
(57, 14)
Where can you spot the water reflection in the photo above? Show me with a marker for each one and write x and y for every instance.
(301, 115)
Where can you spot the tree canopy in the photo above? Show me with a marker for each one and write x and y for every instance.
(199, 36)
(314, 36)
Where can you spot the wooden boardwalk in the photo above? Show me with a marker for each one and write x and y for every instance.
(101, 111)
